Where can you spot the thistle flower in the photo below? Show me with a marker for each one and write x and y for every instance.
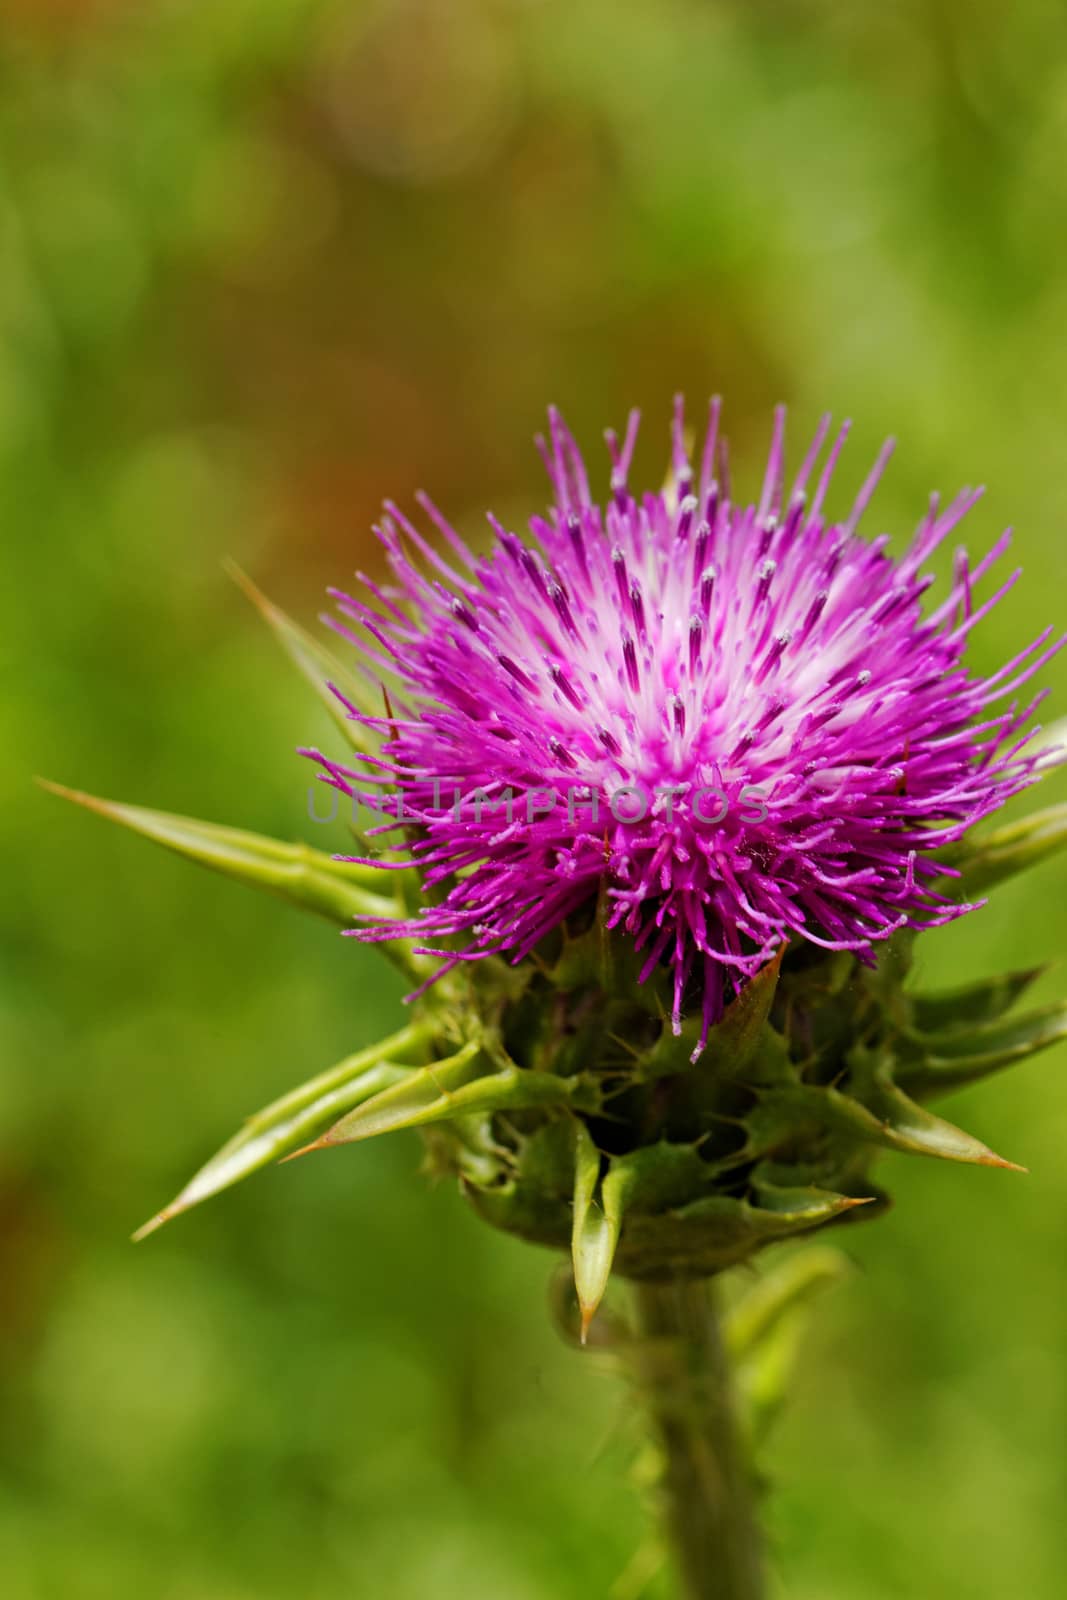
(669, 790)
(800, 753)
(734, 721)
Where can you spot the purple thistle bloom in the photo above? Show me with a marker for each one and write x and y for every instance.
(733, 722)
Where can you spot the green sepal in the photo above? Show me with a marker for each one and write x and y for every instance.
(466, 1144)
(598, 958)
(287, 1123)
(795, 1208)
(578, 960)
(718, 1231)
(308, 878)
(903, 1125)
(742, 1041)
(319, 666)
(987, 861)
(873, 1112)
(594, 1230)
(654, 1178)
(959, 1056)
(971, 1003)
(644, 1198)
(459, 1086)
(535, 1202)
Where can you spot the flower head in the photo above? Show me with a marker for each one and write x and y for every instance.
(733, 724)
(720, 748)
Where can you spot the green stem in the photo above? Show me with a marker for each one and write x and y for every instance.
(683, 1374)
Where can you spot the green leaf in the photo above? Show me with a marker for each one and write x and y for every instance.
(763, 1332)
(289, 1122)
(306, 877)
(951, 1059)
(456, 1087)
(774, 1296)
(317, 664)
(972, 1002)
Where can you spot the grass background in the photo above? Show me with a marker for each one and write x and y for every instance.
(261, 263)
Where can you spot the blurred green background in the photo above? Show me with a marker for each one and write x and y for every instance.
(263, 262)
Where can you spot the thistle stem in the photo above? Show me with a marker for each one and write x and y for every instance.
(683, 1373)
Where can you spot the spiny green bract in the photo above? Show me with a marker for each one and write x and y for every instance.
(654, 1167)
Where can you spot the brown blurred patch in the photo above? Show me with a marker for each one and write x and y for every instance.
(32, 1257)
(58, 19)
